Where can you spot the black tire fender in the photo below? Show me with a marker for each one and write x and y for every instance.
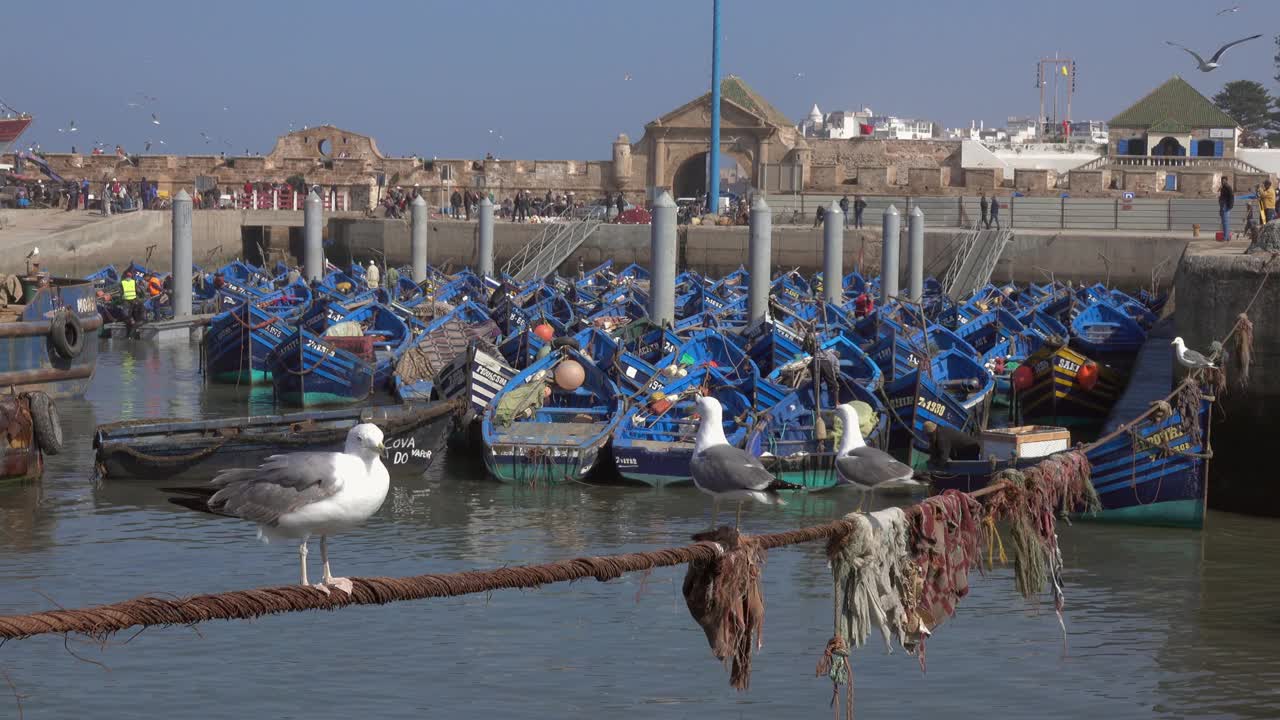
(66, 333)
(46, 426)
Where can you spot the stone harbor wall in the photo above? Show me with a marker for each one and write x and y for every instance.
(1212, 286)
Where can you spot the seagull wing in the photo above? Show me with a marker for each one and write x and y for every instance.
(1193, 53)
(869, 467)
(1231, 44)
(724, 468)
(277, 487)
(1191, 357)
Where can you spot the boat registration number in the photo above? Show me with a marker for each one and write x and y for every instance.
(1067, 365)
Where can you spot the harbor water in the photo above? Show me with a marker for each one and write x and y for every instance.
(1160, 622)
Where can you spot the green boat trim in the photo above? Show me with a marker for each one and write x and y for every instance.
(242, 377)
(1173, 513)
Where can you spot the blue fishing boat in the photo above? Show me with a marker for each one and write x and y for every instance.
(796, 438)
(309, 370)
(47, 344)
(654, 442)
(1103, 331)
(238, 340)
(537, 431)
(437, 347)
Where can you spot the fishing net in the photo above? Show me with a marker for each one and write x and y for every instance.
(723, 596)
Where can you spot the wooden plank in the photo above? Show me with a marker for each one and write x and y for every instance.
(1151, 378)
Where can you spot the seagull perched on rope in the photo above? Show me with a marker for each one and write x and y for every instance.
(1212, 63)
(295, 496)
(1190, 358)
(868, 468)
(728, 473)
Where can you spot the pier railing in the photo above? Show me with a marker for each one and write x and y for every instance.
(1048, 213)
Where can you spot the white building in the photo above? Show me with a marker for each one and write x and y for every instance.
(839, 125)
(1088, 131)
(897, 128)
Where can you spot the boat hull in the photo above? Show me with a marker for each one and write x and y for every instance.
(128, 450)
(550, 465)
(29, 360)
(1156, 478)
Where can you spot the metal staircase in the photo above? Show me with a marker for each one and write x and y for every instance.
(975, 260)
(557, 241)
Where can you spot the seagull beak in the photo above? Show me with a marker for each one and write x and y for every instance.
(382, 449)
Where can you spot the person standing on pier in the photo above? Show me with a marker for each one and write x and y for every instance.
(858, 206)
(1267, 202)
(466, 203)
(995, 211)
(1226, 201)
(621, 204)
(982, 206)
(817, 218)
(844, 209)
(455, 202)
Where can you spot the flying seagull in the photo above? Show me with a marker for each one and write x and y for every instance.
(867, 468)
(1212, 64)
(154, 120)
(728, 473)
(295, 496)
(1190, 358)
(1232, 9)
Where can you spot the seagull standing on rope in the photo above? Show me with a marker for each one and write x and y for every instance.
(295, 496)
(1190, 358)
(868, 468)
(728, 473)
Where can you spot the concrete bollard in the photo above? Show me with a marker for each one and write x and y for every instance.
(485, 263)
(759, 256)
(889, 254)
(181, 298)
(915, 254)
(313, 238)
(662, 260)
(833, 255)
(418, 239)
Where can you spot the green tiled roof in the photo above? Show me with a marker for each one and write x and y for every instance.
(1170, 126)
(1173, 104)
(733, 89)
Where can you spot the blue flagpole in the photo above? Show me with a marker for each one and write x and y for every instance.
(713, 156)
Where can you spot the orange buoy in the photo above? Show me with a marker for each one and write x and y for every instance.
(1023, 378)
(544, 331)
(1087, 375)
(570, 375)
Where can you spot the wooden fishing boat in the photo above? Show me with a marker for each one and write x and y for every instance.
(790, 442)
(47, 343)
(310, 370)
(439, 346)
(654, 442)
(163, 448)
(1059, 392)
(537, 431)
(1105, 332)
(239, 339)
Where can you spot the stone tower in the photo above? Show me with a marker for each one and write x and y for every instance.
(622, 161)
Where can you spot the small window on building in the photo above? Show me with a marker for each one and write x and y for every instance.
(446, 172)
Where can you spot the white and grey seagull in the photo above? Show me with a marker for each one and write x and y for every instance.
(1212, 63)
(1190, 358)
(868, 468)
(295, 496)
(728, 473)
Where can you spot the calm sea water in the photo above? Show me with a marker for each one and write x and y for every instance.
(1160, 622)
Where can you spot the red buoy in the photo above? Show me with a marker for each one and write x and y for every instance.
(1087, 375)
(1023, 378)
(544, 331)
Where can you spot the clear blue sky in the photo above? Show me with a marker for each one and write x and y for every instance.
(433, 78)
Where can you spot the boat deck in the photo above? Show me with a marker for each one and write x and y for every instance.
(1151, 378)
(546, 433)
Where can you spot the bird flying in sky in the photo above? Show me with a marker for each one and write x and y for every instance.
(1232, 9)
(1212, 63)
